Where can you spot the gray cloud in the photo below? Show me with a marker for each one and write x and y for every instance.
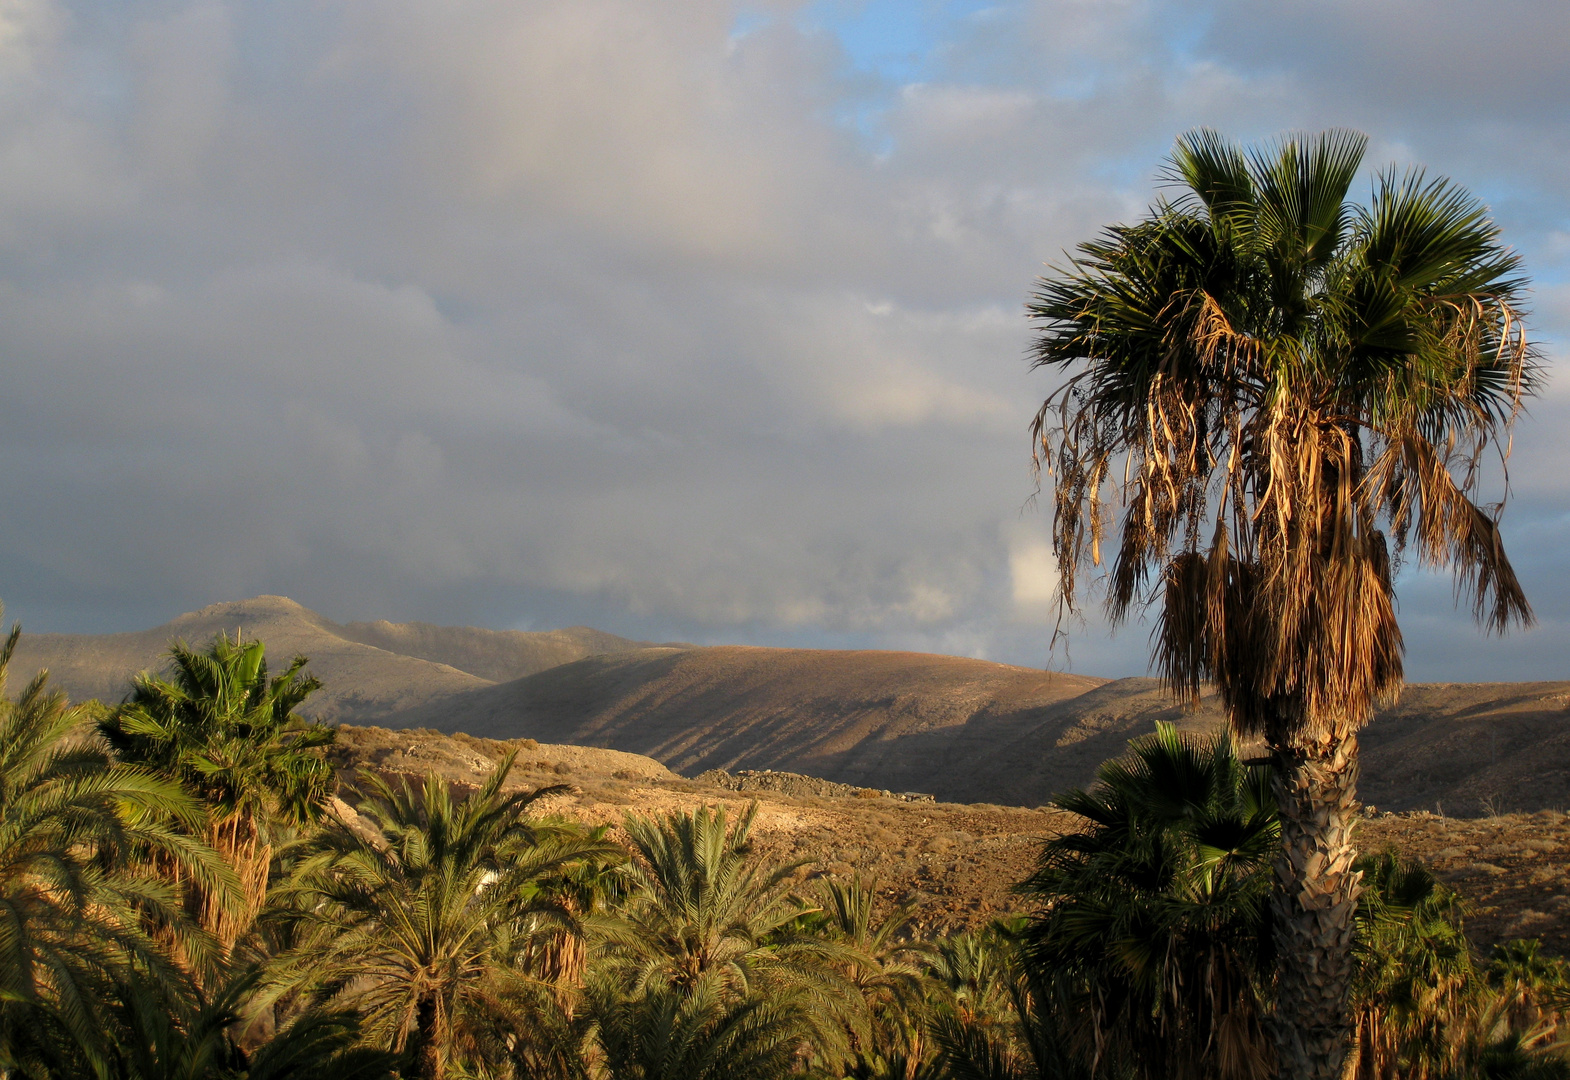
(543, 313)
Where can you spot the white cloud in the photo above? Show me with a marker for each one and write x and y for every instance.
(1033, 576)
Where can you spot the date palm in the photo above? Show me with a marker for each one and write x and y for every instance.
(715, 921)
(230, 733)
(698, 1032)
(423, 925)
(194, 1040)
(883, 966)
(82, 914)
(1035, 1045)
(1279, 393)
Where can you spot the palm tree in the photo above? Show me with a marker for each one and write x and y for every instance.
(1152, 926)
(175, 1040)
(81, 913)
(971, 973)
(884, 967)
(1414, 987)
(709, 908)
(423, 926)
(220, 726)
(1036, 1045)
(1535, 988)
(698, 1032)
(713, 921)
(1279, 391)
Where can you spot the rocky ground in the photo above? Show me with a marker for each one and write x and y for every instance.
(958, 862)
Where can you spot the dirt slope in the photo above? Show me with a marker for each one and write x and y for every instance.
(494, 655)
(905, 721)
(1471, 749)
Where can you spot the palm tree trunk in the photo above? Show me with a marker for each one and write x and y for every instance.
(430, 1063)
(1315, 906)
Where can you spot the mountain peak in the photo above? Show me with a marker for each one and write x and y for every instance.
(265, 604)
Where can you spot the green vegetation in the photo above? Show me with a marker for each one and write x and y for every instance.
(1278, 393)
(445, 933)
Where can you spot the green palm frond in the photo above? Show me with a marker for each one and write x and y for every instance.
(429, 929)
(1152, 917)
(84, 912)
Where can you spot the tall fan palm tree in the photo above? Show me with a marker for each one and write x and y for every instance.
(226, 730)
(1279, 391)
(77, 897)
(423, 925)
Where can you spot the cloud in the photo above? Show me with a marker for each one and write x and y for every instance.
(1033, 575)
(542, 312)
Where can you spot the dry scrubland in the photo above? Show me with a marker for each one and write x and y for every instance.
(958, 861)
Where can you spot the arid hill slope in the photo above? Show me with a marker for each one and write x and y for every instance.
(369, 669)
(959, 729)
(969, 730)
(494, 655)
(907, 721)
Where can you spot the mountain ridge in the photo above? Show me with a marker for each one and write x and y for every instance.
(962, 729)
(364, 672)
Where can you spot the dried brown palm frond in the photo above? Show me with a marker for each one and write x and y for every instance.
(1268, 402)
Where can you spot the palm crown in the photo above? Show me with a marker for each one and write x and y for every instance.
(231, 732)
(422, 921)
(82, 912)
(1272, 379)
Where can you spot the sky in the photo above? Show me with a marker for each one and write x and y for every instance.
(688, 320)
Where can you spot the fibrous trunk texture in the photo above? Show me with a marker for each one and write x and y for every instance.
(1315, 906)
(431, 1060)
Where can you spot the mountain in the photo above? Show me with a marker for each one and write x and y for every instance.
(951, 726)
(973, 731)
(1470, 748)
(960, 729)
(494, 655)
(368, 669)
